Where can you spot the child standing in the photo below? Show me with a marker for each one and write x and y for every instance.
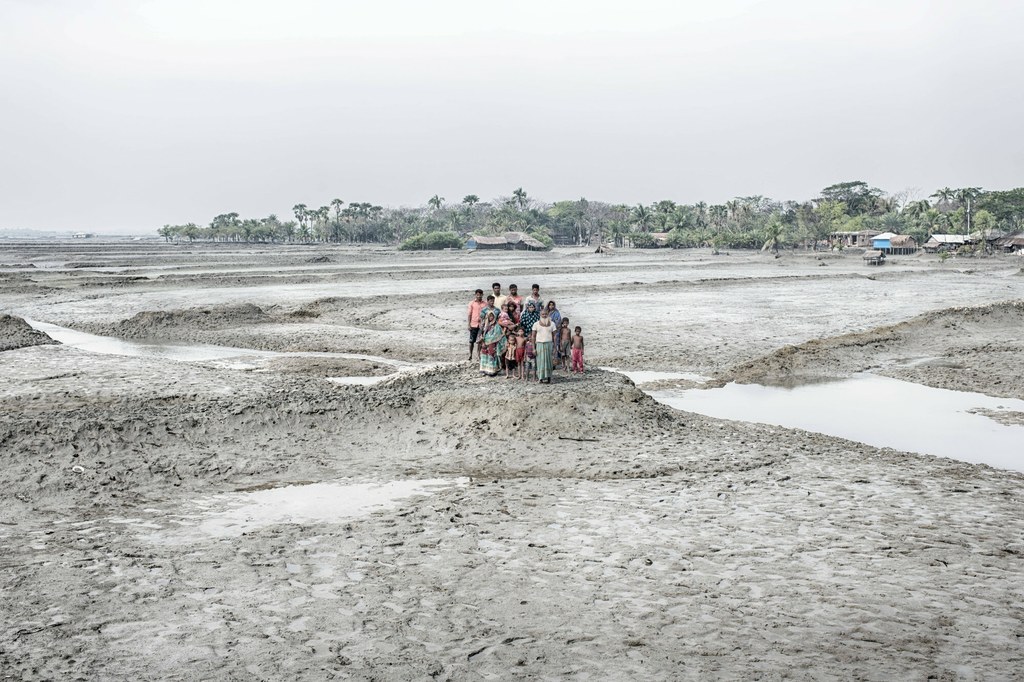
(520, 345)
(564, 342)
(531, 360)
(510, 357)
(577, 350)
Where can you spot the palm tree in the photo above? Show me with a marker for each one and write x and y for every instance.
(642, 217)
(965, 196)
(917, 208)
(337, 204)
(301, 213)
(470, 200)
(435, 202)
(702, 213)
(944, 196)
(772, 235)
(519, 198)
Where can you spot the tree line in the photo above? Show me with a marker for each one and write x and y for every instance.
(743, 222)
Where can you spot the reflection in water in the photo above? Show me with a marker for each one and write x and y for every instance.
(875, 410)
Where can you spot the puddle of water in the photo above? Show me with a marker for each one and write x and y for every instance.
(231, 514)
(874, 410)
(242, 358)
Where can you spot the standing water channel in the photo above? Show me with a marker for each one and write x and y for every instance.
(877, 411)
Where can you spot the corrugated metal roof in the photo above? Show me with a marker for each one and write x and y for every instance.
(885, 235)
(948, 238)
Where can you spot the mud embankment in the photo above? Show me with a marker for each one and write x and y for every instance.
(961, 348)
(184, 324)
(16, 333)
(441, 422)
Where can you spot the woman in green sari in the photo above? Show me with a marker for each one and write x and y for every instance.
(492, 345)
(543, 340)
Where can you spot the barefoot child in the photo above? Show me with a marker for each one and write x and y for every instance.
(564, 342)
(577, 350)
(510, 356)
(520, 344)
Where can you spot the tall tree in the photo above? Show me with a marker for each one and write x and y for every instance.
(520, 198)
(944, 197)
(858, 196)
(966, 196)
(301, 214)
(642, 218)
(436, 202)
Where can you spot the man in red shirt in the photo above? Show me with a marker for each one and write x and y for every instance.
(475, 306)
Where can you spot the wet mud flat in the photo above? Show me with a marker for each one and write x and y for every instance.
(574, 530)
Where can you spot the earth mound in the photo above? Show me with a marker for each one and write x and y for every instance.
(927, 349)
(16, 333)
(180, 323)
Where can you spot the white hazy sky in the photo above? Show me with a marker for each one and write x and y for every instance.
(121, 116)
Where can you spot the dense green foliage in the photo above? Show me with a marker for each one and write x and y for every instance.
(743, 222)
(432, 241)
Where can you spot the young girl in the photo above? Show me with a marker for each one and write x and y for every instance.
(577, 351)
(564, 342)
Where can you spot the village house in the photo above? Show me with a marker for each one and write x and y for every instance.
(946, 242)
(1013, 243)
(894, 244)
(509, 241)
(861, 238)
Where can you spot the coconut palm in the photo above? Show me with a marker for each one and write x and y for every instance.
(772, 235)
(435, 202)
(917, 208)
(945, 196)
(642, 217)
(519, 198)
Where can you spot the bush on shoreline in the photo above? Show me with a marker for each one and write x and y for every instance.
(432, 241)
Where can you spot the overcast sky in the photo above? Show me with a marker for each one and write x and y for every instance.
(122, 116)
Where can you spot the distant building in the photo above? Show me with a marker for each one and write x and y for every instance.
(1013, 243)
(946, 242)
(82, 235)
(510, 241)
(861, 238)
(894, 244)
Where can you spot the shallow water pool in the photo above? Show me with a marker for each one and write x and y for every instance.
(874, 410)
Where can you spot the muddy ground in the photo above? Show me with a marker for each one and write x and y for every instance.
(588, 532)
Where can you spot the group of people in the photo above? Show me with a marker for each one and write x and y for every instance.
(524, 336)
